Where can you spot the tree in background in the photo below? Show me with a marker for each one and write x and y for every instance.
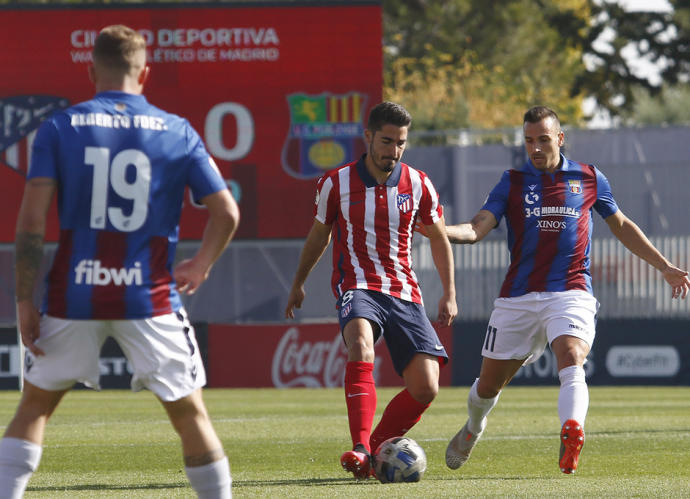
(472, 63)
(670, 106)
(662, 38)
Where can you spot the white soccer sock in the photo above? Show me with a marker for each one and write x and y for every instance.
(18, 460)
(478, 408)
(211, 481)
(573, 397)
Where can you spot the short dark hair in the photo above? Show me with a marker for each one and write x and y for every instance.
(537, 113)
(116, 48)
(388, 113)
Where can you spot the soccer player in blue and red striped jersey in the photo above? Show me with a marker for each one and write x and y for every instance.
(547, 293)
(119, 167)
(369, 208)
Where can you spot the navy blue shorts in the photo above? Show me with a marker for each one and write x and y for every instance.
(403, 324)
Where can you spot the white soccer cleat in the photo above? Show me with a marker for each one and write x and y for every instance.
(460, 447)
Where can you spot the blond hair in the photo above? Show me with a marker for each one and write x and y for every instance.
(118, 49)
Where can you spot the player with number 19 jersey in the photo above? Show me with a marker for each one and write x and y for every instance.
(118, 159)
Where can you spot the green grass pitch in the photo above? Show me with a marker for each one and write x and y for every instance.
(287, 443)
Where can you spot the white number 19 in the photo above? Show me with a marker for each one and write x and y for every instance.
(114, 174)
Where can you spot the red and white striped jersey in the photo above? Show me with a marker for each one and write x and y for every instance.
(372, 226)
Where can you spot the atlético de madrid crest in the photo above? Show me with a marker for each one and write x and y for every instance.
(404, 203)
(20, 116)
(325, 131)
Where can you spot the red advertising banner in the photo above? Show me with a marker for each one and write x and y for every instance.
(278, 93)
(293, 355)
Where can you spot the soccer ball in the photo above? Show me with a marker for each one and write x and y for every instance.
(399, 459)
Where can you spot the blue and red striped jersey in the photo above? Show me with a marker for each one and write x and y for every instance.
(121, 166)
(373, 226)
(549, 221)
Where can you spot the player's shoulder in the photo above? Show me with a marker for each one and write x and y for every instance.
(580, 165)
(411, 169)
(173, 121)
(583, 169)
(66, 113)
(330, 177)
(155, 110)
(339, 169)
(515, 173)
(60, 120)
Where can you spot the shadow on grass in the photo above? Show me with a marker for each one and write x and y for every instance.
(107, 486)
(311, 482)
(319, 482)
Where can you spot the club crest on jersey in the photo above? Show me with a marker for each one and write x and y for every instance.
(345, 311)
(20, 116)
(325, 132)
(404, 203)
(575, 186)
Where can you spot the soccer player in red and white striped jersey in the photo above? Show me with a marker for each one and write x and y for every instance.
(369, 208)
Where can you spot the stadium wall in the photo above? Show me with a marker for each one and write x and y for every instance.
(626, 352)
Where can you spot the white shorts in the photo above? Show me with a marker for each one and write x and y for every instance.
(162, 351)
(521, 327)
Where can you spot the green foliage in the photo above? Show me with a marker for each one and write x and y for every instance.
(471, 63)
(486, 62)
(286, 443)
(659, 37)
(670, 106)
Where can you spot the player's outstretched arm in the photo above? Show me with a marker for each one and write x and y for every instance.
(632, 237)
(30, 231)
(224, 217)
(473, 231)
(317, 241)
(443, 259)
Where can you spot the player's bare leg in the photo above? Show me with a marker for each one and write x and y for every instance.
(494, 376)
(35, 408)
(421, 378)
(206, 465)
(21, 447)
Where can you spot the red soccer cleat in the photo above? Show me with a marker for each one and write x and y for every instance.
(357, 462)
(572, 440)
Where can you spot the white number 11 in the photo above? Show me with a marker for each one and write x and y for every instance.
(114, 174)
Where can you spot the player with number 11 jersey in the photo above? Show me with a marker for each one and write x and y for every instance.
(118, 159)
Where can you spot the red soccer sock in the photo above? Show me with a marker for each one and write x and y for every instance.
(360, 397)
(401, 414)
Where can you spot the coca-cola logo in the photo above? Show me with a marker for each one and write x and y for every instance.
(310, 364)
